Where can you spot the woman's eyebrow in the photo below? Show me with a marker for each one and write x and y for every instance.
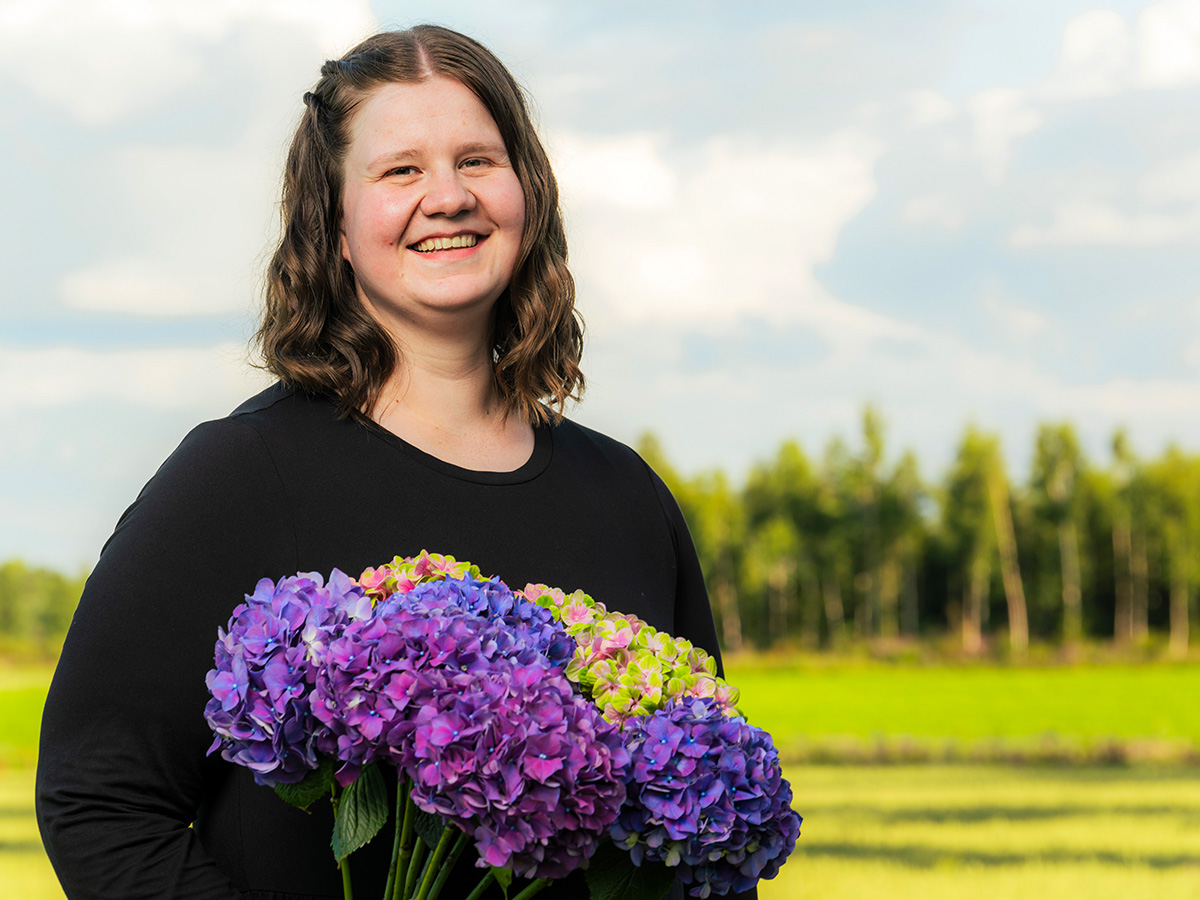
(395, 156)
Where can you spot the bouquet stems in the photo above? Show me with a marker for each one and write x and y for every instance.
(414, 869)
(534, 887)
(402, 845)
(448, 865)
(483, 885)
(344, 863)
(435, 862)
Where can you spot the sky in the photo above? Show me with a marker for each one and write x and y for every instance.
(969, 211)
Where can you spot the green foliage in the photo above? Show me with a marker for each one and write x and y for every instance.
(36, 604)
(611, 875)
(809, 550)
(362, 810)
(315, 785)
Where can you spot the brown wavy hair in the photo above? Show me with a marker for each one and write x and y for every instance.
(316, 334)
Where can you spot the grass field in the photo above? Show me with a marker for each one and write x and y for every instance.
(934, 831)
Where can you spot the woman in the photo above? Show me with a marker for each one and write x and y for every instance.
(419, 315)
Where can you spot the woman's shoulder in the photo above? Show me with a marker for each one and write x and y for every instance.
(573, 438)
(603, 457)
(230, 460)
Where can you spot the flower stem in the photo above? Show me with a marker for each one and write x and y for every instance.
(448, 865)
(435, 862)
(414, 867)
(344, 863)
(402, 846)
(483, 885)
(347, 890)
(534, 887)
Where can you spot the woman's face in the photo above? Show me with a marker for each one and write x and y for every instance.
(432, 211)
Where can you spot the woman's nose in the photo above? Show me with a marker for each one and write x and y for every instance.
(448, 195)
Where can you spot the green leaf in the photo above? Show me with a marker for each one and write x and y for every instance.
(504, 878)
(315, 785)
(611, 875)
(361, 811)
(429, 828)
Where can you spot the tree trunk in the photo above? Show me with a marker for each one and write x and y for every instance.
(910, 614)
(974, 591)
(778, 597)
(864, 618)
(835, 618)
(731, 620)
(890, 575)
(1180, 570)
(810, 605)
(1068, 546)
(1179, 618)
(1140, 576)
(1010, 568)
(1123, 574)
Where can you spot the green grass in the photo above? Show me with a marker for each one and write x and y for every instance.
(934, 832)
(22, 696)
(973, 702)
(24, 870)
(901, 832)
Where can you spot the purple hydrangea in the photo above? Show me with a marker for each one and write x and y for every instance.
(381, 670)
(266, 663)
(518, 760)
(492, 599)
(706, 794)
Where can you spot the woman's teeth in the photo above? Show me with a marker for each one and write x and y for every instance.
(446, 243)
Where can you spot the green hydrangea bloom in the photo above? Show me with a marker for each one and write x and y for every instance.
(629, 667)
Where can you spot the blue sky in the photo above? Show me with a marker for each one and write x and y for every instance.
(959, 211)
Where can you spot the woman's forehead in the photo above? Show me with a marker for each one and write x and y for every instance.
(403, 117)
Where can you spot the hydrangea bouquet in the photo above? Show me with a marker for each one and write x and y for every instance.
(552, 733)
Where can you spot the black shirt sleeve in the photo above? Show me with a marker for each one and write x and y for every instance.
(122, 766)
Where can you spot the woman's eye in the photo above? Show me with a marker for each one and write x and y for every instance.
(401, 170)
(474, 163)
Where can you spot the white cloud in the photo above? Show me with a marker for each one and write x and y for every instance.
(940, 209)
(735, 234)
(1104, 54)
(1018, 320)
(999, 117)
(126, 55)
(928, 107)
(162, 378)
(1168, 44)
(1175, 179)
(625, 171)
(205, 217)
(1090, 221)
(138, 286)
(1096, 58)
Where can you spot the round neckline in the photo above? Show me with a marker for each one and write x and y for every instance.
(539, 459)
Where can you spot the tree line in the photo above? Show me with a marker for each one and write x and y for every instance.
(36, 605)
(813, 552)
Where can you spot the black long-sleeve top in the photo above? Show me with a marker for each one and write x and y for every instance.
(128, 802)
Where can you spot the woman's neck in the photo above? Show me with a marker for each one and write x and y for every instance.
(442, 398)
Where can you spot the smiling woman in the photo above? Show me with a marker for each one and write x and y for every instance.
(420, 319)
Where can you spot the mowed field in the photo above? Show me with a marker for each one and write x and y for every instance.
(900, 831)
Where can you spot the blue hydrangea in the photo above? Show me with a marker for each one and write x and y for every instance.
(706, 794)
(266, 662)
(492, 599)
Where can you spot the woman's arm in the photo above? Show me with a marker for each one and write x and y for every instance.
(122, 767)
